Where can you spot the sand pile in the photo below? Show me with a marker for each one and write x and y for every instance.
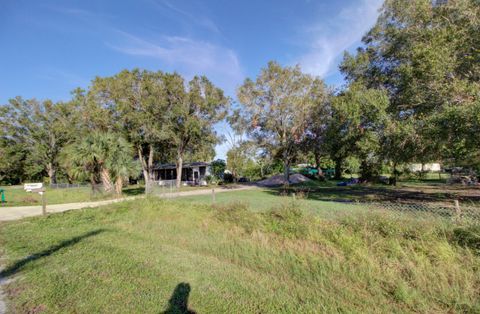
(279, 180)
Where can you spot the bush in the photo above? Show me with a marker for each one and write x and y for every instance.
(228, 178)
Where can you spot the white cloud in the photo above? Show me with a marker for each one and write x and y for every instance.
(200, 20)
(330, 38)
(187, 56)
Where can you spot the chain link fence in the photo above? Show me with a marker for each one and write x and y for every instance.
(68, 185)
(456, 212)
(168, 189)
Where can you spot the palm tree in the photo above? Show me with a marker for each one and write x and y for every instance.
(101, 157)
(120, 162)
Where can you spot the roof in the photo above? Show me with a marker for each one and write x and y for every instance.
(185, 165)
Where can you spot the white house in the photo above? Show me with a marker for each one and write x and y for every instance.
(430, 167)
(193, 173)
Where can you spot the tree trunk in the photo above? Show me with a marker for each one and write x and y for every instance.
(119, 186)
(395, 174)
(286, 172)
(147, 181)
(317, 164)
(338, 168)
(93, 183)
(150, 164)
(179, 170)
(52, 173)
(106, 180)
(147, 167)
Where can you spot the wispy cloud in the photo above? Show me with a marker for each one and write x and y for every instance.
(79, 12)
(331, 37)
(66, 77)
(186, 55)
(195, 18)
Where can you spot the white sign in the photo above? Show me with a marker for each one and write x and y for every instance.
(32, 186)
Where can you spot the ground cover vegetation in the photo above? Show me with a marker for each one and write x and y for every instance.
(152, 256)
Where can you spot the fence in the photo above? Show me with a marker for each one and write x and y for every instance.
(454, 213)
(167, 189)
(68, 185)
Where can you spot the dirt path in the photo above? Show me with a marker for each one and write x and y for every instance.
(19, 212)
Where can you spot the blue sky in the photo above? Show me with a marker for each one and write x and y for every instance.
(50, 47)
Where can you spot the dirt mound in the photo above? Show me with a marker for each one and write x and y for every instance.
(279, 180)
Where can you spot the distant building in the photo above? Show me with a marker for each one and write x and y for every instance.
(193, 173)
(430, 167)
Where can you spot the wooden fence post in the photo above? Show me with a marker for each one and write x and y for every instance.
(458, 210)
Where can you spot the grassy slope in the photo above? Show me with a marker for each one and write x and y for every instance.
(131, 257)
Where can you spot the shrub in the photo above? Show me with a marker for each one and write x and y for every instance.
(228, 178)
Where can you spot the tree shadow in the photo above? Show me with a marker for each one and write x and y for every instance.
(377, 193)
(17, 266)
(133, 191)
(178, 303)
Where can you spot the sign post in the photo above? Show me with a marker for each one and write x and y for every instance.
(37, 188)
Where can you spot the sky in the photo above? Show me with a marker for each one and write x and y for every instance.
(48, 48)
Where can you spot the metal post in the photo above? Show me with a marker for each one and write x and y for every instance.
(213, 195)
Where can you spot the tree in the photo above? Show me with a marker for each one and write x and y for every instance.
(103, 157)
(425, 54)
(356, 128)
(43, 127)
(193, 112)
(218, 168)
(12, 162)
(137, 104)
(316, 131)
(276, 109)
(400, 143)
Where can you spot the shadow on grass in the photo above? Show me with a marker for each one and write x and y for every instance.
(374, 193)
(178, 303)
(17, 266)
(134, 191)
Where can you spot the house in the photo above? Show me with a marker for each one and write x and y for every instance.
(193, 173)
(429, 167)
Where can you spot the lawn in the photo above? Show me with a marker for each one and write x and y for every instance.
(149, 256)
(16, 196)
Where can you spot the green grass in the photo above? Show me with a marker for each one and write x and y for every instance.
(16, 195)
(148, 256)
(263, 199)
